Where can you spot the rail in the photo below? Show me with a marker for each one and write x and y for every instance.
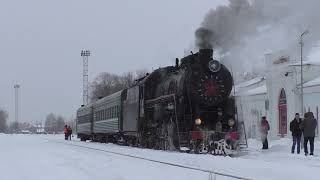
(212, 174)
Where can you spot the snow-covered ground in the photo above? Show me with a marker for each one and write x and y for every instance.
(44, 157)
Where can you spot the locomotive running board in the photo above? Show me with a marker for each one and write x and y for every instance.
(160, 100)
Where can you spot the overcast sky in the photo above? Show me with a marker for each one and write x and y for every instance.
(40, 44)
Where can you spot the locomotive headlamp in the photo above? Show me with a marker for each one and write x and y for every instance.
(198, 121)
(214, 65)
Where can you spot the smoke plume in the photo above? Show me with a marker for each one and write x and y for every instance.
(245, 30)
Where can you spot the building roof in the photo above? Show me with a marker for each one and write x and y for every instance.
(244, 87)
(250, 82)
(256, 91)
(313, 82)
(310, 62)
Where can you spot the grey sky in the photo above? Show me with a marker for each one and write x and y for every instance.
(41, 42)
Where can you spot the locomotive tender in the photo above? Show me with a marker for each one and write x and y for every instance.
(172, 108)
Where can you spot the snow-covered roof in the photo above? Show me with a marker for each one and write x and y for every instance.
(313, 82)
(250, 82)
(311, 62)
(256, 91)
(111, 96)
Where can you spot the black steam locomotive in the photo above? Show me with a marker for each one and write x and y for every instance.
(182, 107)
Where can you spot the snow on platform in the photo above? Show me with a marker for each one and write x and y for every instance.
(42, 157)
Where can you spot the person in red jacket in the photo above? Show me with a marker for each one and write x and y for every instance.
(66, 134)
(264, 132)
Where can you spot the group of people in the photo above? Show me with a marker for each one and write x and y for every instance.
(299, 127)
(67, 132)
(305, 127)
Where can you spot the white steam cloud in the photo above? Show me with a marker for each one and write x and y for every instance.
(244, 31)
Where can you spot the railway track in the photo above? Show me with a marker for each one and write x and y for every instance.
(212, 174)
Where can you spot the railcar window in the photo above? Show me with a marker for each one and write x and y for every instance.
(117, 110)
(98, 116)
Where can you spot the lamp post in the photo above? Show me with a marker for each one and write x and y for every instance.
(16, 90)
(85, 55)
(301, 66)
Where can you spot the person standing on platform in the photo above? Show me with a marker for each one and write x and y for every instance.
(264, 132)
(295, 128)
(309, 131)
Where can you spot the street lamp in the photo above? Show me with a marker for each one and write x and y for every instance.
(85, 55)
(16, 90)
(301, 66)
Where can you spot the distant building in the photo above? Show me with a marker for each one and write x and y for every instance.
(40, 129)
(277, 95)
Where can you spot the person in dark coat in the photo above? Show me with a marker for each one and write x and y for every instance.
(309, 125)
(295, 128)
(264, 128)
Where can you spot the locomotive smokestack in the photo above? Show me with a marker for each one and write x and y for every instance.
(177, 62)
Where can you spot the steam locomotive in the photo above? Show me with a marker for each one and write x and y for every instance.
(177, 107)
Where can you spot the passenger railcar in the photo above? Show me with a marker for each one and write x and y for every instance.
(84, 123)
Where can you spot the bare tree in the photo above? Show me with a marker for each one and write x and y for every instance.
(141, 73)
(14, 127)
(54, 124)
(60, 124)
(126, 80)
(105, 83)
(3, 120)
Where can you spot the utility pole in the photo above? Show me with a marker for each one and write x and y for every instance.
(85, 56)
(16, 90)
(301, 67)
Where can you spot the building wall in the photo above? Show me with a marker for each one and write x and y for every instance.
(251, 109)
(312, 103)
(279, 76)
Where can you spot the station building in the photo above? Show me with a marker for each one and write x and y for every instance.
(276, 94)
